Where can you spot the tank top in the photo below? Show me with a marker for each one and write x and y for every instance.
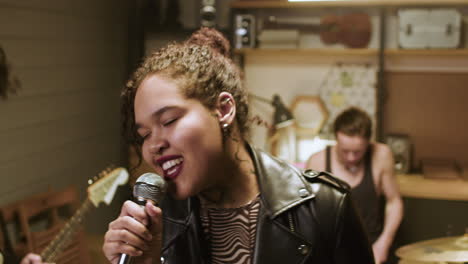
(368, 202)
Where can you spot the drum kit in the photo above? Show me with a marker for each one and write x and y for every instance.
(446, 250)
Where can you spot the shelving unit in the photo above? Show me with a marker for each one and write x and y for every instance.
(427, 52)
(344, 3)
(316, 52)
(396, 59)
(355, 52)
(379, 4)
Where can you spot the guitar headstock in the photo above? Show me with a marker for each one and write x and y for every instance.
(103, 187)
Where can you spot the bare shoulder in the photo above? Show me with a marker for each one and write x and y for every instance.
(382, 157)
(382, 151)
(316, 161)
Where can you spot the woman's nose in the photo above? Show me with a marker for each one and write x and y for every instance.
(157, 145)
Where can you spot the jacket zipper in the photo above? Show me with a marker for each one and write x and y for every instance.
(291, 223)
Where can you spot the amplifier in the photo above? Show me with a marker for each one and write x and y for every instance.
(244, 31)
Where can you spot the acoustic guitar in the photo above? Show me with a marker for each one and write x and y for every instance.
(103, 189)
(353, 30)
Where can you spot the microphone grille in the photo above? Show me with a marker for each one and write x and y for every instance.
(150, 186)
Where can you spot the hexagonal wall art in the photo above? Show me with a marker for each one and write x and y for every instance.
(310, 113)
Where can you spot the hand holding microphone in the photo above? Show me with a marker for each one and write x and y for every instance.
(137, 232)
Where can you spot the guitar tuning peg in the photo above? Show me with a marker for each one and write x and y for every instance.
(90, 181)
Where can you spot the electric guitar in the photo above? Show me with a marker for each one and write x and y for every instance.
(101, 189)
(353, 30)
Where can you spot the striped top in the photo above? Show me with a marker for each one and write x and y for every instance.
(230, 232)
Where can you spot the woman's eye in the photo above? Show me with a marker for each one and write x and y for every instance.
(143, 137)
(170, 121)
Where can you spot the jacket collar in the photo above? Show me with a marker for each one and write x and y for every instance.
(281, 184)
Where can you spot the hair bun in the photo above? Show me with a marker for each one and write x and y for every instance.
(212, 38)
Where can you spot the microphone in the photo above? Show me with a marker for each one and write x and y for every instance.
(149, 186)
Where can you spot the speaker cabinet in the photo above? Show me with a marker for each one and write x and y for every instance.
(244, 32)
(401, 148)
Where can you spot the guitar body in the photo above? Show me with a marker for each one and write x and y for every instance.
(332, 31)
(353, 30)
(356, 30)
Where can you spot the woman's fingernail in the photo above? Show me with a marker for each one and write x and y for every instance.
(139, 252)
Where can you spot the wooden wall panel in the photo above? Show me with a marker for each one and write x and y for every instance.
(51, 80)
(432, 109)
(44, 53)
(104, 10)
(57, 166)
(42, 137)
(36, 111)
(63, 125)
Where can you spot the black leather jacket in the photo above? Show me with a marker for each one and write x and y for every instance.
(305, 217)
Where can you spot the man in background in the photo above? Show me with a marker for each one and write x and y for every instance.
(368, 168)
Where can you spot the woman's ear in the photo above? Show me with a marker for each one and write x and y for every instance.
(226, 108)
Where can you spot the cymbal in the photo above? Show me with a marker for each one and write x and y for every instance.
(446, 249)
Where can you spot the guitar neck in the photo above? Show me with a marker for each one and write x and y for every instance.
(303, 27)
(63, 237)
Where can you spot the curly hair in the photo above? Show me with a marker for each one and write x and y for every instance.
(201, 68)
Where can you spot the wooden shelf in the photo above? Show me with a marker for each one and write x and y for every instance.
(344, 3)
(315, 52)
(427, 52)
(354, 52)
(417, 186)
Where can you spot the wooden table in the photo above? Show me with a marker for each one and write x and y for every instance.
(417, 186)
